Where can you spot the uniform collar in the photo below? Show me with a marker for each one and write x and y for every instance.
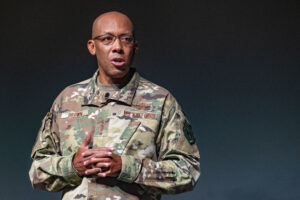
(98, 96)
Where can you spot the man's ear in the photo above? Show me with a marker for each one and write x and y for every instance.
(91, 47)
(135, 49)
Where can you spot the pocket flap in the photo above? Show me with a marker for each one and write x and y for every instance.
(126, 136)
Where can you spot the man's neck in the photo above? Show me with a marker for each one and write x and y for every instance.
(106, 80)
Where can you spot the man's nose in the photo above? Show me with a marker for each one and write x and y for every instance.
(117, 46)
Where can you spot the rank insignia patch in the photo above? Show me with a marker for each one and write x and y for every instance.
(142, 106)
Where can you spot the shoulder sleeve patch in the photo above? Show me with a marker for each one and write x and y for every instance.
(188, 132)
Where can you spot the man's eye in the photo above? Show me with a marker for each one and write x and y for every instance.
(107, 39)
(127, 39)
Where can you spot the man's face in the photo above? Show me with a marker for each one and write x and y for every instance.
(112, 46)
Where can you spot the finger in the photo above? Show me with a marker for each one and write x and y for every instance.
(86, 158)
(96, 153)
(104, 174)
(104, 148)
(95, 150)
(87, 140)
(103, 165)
(103, 154)
(92, 171)
(94, 160)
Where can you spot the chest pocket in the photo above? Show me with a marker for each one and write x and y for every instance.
(140, 140)
(72, 126)
(115, 132)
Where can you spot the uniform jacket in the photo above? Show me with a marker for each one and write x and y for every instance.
(144, 124)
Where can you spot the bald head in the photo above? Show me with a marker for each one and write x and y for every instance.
(114, 46)
(111, 21)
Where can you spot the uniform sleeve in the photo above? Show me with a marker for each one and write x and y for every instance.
(177, 169)
(50, 170)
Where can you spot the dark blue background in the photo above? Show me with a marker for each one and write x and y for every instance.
(232, 65)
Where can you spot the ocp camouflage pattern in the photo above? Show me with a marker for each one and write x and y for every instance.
(142, 121)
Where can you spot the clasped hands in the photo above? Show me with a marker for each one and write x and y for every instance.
(100, 162)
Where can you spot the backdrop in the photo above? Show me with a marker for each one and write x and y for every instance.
(232, 65)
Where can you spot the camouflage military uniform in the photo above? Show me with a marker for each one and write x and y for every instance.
(144, 124)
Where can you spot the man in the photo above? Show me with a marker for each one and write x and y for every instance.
(116, 135)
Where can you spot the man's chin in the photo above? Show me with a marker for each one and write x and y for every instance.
(119, 73)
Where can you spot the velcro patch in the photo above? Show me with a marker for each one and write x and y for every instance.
(140, 115)
(142, 106)
(187, 129)
(66, 115)
(70, 114)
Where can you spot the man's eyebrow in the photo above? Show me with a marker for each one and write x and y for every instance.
(110, 33)
(107, 33)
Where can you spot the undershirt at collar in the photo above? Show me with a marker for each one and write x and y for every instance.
(112, 87)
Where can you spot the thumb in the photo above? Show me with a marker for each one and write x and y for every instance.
(87, 140)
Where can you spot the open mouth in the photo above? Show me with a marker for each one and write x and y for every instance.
(118, 62)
